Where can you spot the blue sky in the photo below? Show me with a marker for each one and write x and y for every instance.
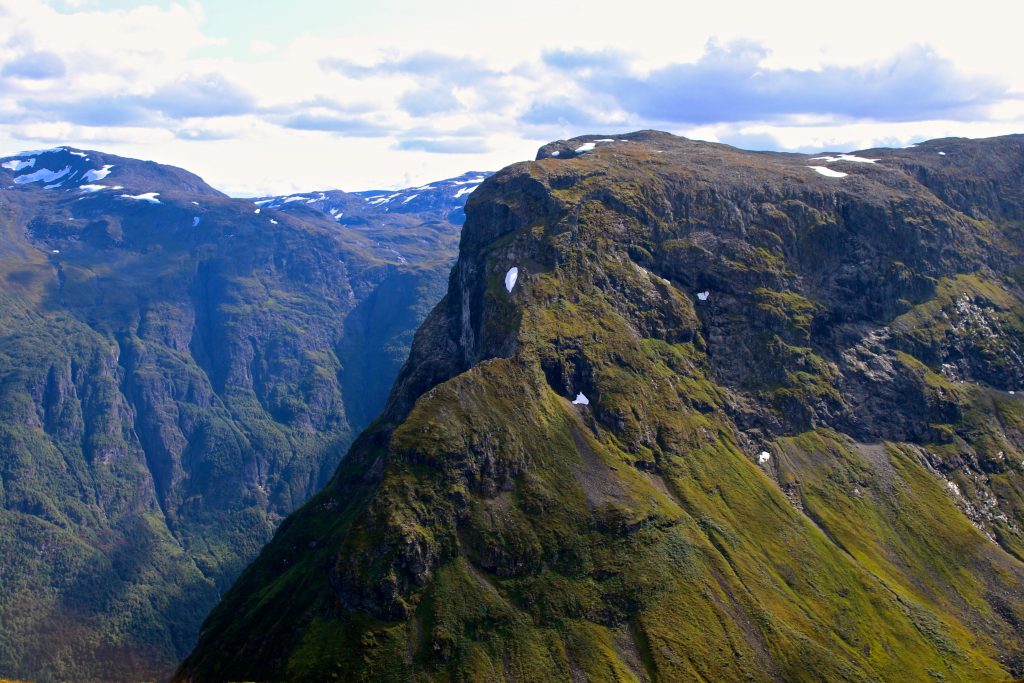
(276, 97)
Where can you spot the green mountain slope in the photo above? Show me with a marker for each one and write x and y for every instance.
(800, 457)
(177, 374)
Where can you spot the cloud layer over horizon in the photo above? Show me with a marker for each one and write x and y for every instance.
(364, 110)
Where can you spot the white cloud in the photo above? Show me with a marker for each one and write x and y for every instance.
(387, 94)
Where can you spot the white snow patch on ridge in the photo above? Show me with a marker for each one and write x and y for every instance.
(93, 188)
(825, 171)
(763, 457)
(144, 197)
(195, 221)
(465, 190)
(17, 164)
(845, 157)
(412, 197)
(510, 278)
(581, 400)
(97, 173)
(703, 296)
(585, 147)
(43, 174)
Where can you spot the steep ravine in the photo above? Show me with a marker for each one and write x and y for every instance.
(175, 378)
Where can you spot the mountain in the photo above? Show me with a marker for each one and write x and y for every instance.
(178, 371)
(686, 412)
(443, 200)
(415, 226)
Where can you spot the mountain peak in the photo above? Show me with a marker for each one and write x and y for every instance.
(860, 328)
(66, 169)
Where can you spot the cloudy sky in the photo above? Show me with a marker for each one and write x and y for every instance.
(275, 97)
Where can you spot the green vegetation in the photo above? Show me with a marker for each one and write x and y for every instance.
(494, 530)
(167, 395)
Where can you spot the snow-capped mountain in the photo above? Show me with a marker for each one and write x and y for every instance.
(66, 169)
(443, 199)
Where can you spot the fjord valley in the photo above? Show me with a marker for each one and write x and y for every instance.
(179, 370)
(686, 412)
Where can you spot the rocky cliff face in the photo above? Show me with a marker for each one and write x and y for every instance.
(178, 371)
(732, 416)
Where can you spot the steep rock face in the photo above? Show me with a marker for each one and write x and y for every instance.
(178, 371)
(735, 418)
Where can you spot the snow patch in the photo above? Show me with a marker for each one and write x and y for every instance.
(763, 457)
(144, 197)
(97, 173)
(942, 154)
(150, 197)
(195, 221)
(605, 140)
(412, 197)
(465, 190)
(256, 211)
(510, 278)
(259, 202)
(581, 400)
(43, 175)
(78, 154)
(273, 222)
(294, 198)
(381, 199)
(845, 157)
(703, 296)
(556, 153)
(953, 487)
(585, 147)
(17, 164)
(93, 188)
(825, 171)
(55, 251)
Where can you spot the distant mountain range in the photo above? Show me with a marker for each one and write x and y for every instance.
(179, 370)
